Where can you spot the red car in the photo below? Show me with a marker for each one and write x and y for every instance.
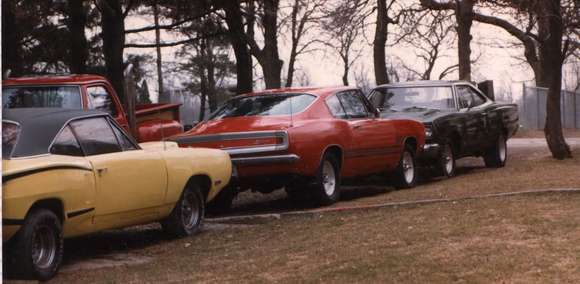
(307, 140)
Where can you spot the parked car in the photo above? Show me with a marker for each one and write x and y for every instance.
(67, 173)
(459, 120)
(307, 140)
(154, 121)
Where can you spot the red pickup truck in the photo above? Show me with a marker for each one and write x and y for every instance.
(154, 121)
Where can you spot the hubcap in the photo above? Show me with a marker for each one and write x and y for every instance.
(448, 159)
(408, 167)
(502, 149)
(190, 210)
(43, 247)
(328, 178)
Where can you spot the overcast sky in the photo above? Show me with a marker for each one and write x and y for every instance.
(324, 68)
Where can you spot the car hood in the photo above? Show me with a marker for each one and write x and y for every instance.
(425, 116)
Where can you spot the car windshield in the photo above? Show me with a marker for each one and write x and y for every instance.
(10, 133)
(264, 105)
(41, 96)
(412, 98)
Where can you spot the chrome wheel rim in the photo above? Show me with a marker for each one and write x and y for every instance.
(190, 214)
(408, 167)
(43, 247)
(502, 149)
(447, 159)
(328, 178)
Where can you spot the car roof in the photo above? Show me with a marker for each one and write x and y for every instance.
(424, 83)
(73, 79)
(39, 127)
(317, 91)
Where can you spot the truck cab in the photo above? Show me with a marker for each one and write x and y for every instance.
(91, 92)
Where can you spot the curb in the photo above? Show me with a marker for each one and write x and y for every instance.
(277, 216)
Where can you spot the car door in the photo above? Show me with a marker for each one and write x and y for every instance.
(473, 118)
(131, 183)
(366, 152)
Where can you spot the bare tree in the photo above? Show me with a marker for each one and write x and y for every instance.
(549, 36)
(464, 18)
(383, 9)
(303, 20)
(344, 25)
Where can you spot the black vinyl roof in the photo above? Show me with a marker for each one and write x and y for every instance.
(39, 127)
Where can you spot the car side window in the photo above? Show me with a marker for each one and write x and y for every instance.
(335, 107)
(124, 141)
(100, 99)
(66, 144)
(353, 104)
(466, 94)
(95, 136)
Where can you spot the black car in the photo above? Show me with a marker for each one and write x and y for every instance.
(459, 120)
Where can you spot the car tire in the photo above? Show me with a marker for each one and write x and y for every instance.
(446, 161)
(222, 203)
(496, 156)
(327, 184)
(187, 216)
(406, 172)
(36, 250)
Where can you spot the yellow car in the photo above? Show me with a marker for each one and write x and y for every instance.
(67, 173)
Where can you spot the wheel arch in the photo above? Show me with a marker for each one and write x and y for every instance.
(53, 204)
(336, 150)
(412, 142)
(203, 180)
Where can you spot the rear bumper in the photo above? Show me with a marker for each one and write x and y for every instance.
(262, 160)
(430, 152)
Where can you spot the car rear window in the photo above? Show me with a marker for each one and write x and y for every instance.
(41, 96)
(10, 132)
(401, 98)
(266, 105)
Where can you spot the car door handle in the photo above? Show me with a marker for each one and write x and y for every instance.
(102, 171)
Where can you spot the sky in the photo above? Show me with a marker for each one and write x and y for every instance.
(324, 69)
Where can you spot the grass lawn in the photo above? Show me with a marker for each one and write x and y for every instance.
(516, 239)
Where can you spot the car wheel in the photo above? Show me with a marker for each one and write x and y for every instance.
(187, 216)
(327, 188)
(446, 163)
(222, 203)
(38, 246)
(406, 172)
(496, 156)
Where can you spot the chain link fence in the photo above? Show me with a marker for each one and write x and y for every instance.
(533, 108)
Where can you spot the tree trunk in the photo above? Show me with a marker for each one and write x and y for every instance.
(211, 84)
(270, 59)
(238, 41)
(11, 37)
(113, 34)
(550, 31)
(379, 55)
(346, 69)
(464, 16)
(291, 62)
(161, 91)
(79, 52)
